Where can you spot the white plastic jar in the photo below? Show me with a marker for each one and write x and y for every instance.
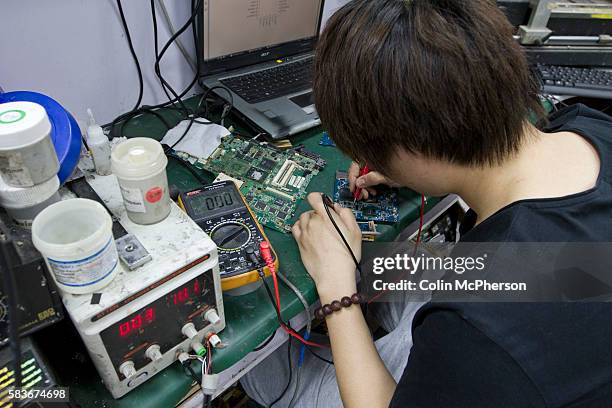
(27, 155)
(76, 240)
(140, 167)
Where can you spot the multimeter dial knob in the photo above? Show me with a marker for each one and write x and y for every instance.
(231, 235)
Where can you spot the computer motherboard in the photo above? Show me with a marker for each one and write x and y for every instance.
(274, 180)
(381, 208)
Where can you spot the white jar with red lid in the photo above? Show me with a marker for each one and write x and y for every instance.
(140, 166)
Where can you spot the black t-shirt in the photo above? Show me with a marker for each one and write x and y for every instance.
(524, 354)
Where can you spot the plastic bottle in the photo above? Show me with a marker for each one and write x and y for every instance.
(99, 145)
(140, 166)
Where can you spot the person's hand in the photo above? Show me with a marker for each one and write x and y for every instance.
(367, 183)
(323, 253)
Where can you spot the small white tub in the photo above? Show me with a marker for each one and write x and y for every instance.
(75, 238)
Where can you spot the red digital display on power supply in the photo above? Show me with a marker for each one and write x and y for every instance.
(137, 322)
(181, 296)
(187, 292)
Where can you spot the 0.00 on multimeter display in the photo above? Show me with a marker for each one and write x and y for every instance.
(221, 211)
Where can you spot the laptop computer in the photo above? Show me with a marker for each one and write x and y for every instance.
(262, 51)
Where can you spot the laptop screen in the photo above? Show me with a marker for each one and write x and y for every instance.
(236, 33)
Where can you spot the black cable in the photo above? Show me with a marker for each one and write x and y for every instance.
(144, 110)
(195, 40)
(318, 356)
(172, 38)
(137, 110)
(228, 103)
(136, 62)
(126, 117)
(206, 401)
(182, 136)
(189, 167)
(327, 202)
(180, 31)
(11, 295)
(271, 297)
(191, 121)
(156, 44)
(279, 318)
(189, 371)
(193, 117)
(290, 376)
(165, 84)
(265, 343)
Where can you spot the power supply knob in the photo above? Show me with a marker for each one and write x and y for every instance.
(189, 330)
(153, 353)
(127, 369)
(212, 316)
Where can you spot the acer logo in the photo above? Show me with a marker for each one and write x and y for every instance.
(265, 54)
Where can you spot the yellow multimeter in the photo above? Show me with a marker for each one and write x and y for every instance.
(222, 212)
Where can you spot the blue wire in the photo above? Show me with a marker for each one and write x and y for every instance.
(303, 348)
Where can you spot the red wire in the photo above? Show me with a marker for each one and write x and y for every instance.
(416, 246)
(418, 238)
(289, 331)
(209, 358)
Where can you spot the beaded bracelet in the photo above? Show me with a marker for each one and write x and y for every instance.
(337, 305)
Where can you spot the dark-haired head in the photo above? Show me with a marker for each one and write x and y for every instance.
(440, 79)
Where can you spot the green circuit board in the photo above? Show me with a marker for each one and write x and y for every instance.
(274, 180)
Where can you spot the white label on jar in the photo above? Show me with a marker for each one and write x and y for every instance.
(86, 271)
(133, 200)
(14, 170)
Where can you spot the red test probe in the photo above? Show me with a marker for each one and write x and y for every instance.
(362, 172)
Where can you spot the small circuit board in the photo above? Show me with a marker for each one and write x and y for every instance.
(368, 230)
(381, 208)
(326, 140)
(274, 180)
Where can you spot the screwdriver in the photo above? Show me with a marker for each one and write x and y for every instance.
(357, 193)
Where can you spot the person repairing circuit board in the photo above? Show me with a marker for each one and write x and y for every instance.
(436, 96)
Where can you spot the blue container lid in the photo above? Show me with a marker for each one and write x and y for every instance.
(65, 132)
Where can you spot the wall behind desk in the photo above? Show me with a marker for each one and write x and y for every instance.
(76, 52)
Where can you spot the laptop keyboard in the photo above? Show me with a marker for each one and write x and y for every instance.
(587, 82)
(274, 82)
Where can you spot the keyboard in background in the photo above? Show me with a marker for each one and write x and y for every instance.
(563, 80)
(273, 82)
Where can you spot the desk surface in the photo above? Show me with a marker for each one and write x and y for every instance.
(250, 318)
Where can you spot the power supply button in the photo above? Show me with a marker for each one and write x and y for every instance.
(127, 369)
(139, 379)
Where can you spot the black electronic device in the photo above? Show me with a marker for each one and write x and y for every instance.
(39, 301)
(151, 324)
(264, 85)
(222, 212)
(35, 373)
(566, 80)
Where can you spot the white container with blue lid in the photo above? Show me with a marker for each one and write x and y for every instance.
(27, 155)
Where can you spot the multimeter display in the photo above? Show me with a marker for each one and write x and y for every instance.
(222, 213)
(211, 205)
